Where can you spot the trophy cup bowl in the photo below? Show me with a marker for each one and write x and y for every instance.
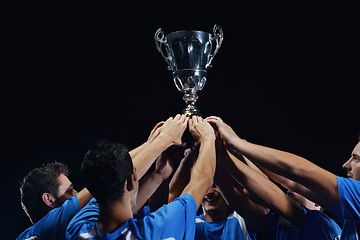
(189, 55)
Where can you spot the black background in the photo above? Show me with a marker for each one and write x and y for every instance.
(286, 76)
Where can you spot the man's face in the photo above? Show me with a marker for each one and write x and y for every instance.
(65, 191)
(352, 166)
(213, 201)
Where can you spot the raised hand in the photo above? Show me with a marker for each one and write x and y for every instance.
(224, 130)
(173, 129)
(155, 131)
(200, 129)
(169, 160)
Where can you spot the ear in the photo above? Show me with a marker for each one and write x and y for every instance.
(49, 200)
(130, 183)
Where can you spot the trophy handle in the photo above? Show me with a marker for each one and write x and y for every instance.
(160, 42)
(218, 38)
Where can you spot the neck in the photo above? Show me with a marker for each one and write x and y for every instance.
(215, 216)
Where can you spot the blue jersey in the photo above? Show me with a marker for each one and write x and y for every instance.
(317, 225)
(280, 229)
(53, 225)
(175, 220)
(349, 212)
(233, 227)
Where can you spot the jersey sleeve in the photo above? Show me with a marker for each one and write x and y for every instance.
(54, 224)
(349, 192)
(175, 220)
(83, 220)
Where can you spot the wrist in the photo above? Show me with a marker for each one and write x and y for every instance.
(158, 177)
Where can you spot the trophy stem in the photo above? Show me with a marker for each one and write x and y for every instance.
(190, 109)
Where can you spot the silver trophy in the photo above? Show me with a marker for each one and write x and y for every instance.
(189, 55)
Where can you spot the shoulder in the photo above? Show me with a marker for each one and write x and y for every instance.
(319, 225)
(28, 234)
(84, 228)
(348, 184)
(90, 212)
(72, 203)
(349, 192)
(318, 217)
(183, 208)
(186, 198)
(53, 224)
(84, 220)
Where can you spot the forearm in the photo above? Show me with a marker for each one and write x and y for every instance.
(233, 193)
(147, 186)
(160, 196)
(204, 167)
(179, 180)
(145, 158)
(271, 196)
(293, 167)
(134, 152)
(317, 184)
(84, 196)
(252, 211)
(203, 171)
(277, 161)
(256, 183)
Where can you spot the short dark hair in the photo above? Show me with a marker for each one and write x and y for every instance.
(38, 181)
(105, 168)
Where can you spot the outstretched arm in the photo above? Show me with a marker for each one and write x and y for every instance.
(203, 171)
(181, 176)
(233, 193)
(165, 166)
(283, 163)
(293, 186)
(153, 134)
(169, 134)
(261, 188)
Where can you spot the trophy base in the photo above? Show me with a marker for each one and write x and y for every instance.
(189, 112)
